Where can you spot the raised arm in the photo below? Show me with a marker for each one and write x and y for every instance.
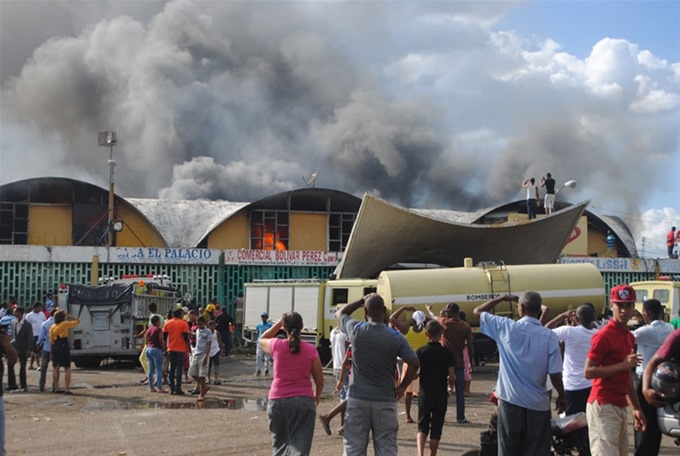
(350, 308)
(402, 326)
(490, 304)
(561, 318)
(268, 335)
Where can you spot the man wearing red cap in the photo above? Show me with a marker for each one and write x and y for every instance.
(609, 363)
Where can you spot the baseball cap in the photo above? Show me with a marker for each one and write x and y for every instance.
(264, 314)
(419, 319)
(622, 293)
(210, 308)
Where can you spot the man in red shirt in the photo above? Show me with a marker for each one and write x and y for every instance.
(670, 241)
(176, 332)
(609, 363)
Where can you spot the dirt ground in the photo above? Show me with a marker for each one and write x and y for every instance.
(111, 413)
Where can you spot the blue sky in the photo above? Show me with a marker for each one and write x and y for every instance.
(577, 25)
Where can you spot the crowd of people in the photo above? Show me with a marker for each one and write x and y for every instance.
(587, 365)
(598, 368)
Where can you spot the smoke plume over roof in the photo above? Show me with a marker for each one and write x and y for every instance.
(423, 104)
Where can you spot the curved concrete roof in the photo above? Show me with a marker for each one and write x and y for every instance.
(626, 247)
(384, 235)
(52, 190)
(184, 223)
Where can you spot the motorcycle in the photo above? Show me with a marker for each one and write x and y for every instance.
(669, 421)
(569, 435)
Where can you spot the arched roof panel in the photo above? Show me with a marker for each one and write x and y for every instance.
(384, 235)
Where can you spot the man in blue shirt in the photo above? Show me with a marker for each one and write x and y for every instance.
(44, 343)
(529, 353)
(261, 357)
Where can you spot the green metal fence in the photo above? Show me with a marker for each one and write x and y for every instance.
(30, 281)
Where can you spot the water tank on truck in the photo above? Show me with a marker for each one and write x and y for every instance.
(562, 287)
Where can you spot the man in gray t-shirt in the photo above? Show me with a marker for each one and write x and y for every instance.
(371, 405)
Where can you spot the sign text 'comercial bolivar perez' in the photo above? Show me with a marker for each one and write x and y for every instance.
(164, 255)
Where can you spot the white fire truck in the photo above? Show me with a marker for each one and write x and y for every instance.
(112, 313)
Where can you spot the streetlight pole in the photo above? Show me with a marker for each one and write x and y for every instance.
(108, 139)
(569, 183)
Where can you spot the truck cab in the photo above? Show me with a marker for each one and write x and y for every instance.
(666, 291)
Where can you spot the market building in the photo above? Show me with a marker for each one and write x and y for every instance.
(56, 230)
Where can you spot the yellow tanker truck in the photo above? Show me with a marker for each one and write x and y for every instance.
(562, 286)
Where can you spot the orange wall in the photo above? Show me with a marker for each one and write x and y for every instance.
(233, 233)
(50, 225)
(308, 231)
(136, 226)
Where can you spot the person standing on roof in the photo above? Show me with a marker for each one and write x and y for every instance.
(549, 183)
(670, 242)
(533, 196)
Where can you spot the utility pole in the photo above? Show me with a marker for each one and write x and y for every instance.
(108, 139)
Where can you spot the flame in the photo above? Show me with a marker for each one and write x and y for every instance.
(269, 243)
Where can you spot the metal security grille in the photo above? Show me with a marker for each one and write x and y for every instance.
(30, 281)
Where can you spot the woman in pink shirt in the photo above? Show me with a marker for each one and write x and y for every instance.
(292, 401)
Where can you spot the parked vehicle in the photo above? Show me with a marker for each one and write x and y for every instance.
(667, 291)
(563, 287)
(314, 299)
(112, 314)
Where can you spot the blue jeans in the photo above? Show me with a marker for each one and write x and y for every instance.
(154, 356)
(460, 393)
(261, 358)
(176, 369)
(531, 208)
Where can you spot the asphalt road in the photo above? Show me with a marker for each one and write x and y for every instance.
(111, 413)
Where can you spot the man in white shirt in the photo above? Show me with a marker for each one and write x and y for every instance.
(576, 339)
(648, 339)
(36, 319)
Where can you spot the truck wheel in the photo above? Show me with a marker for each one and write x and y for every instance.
(88, 363)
